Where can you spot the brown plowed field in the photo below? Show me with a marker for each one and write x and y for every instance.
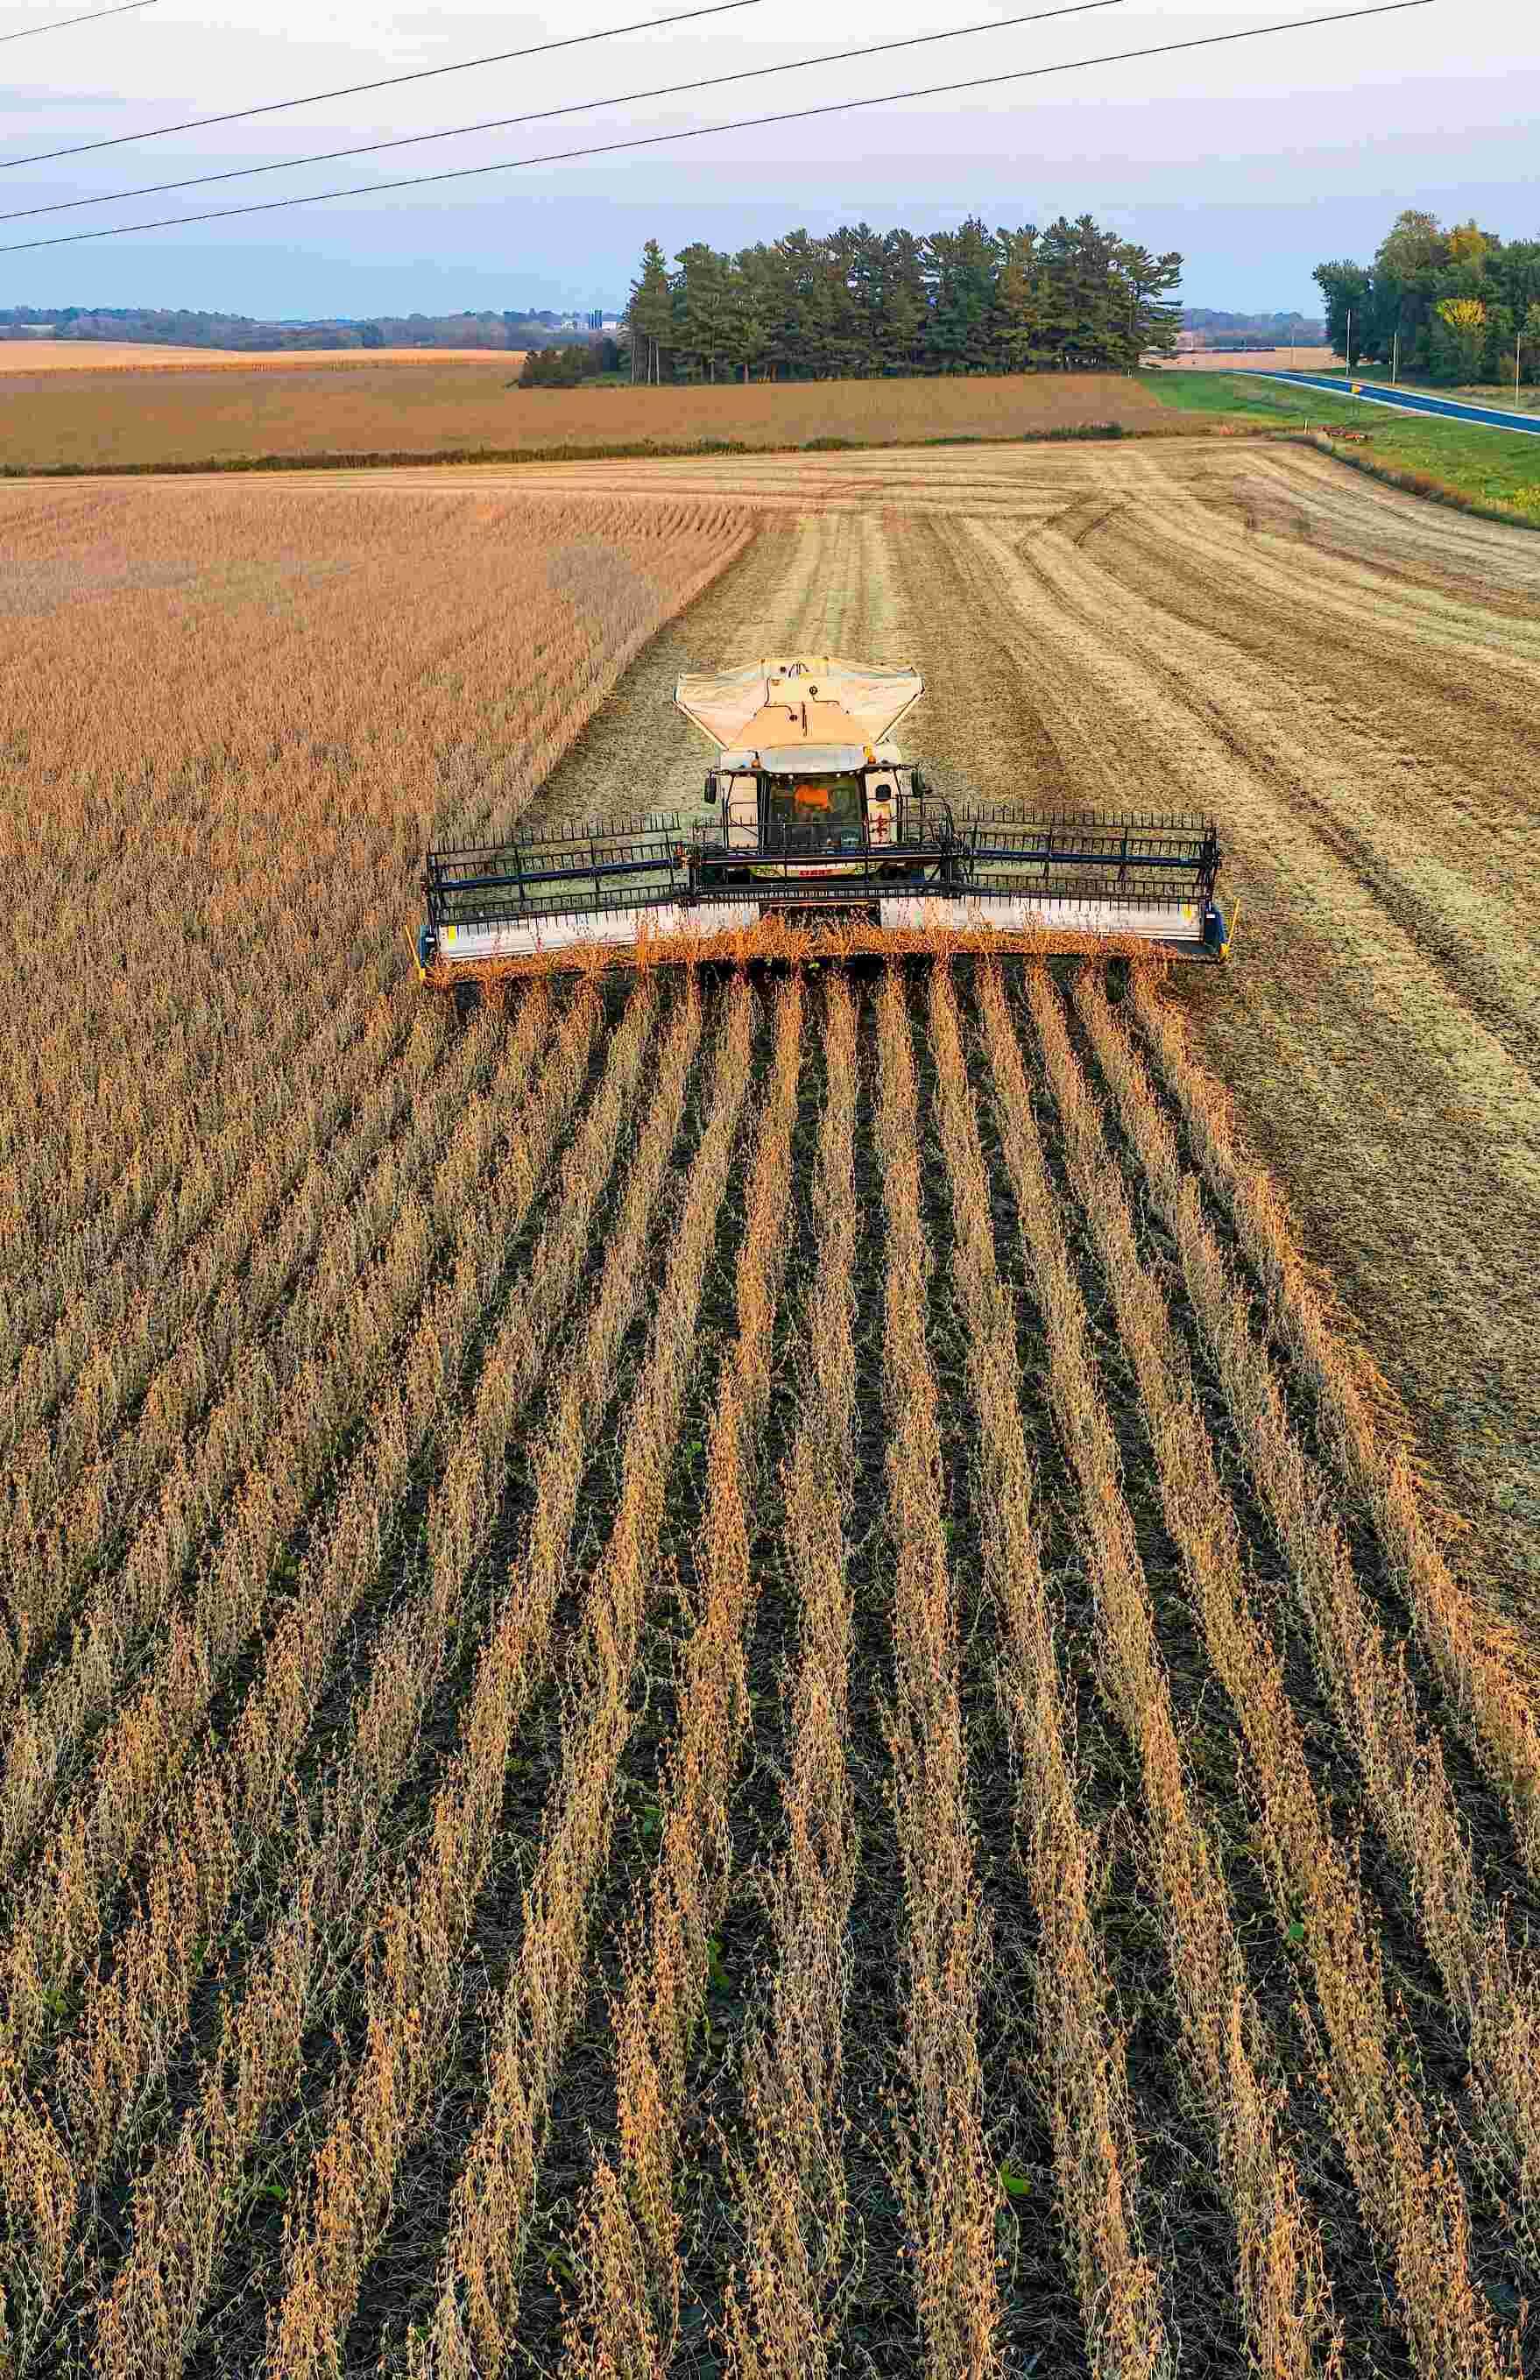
(738, 1678)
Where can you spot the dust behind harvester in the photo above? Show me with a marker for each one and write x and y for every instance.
(814, 834)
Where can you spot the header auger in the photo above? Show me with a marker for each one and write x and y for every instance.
(815, 836)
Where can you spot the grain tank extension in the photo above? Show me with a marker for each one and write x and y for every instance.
(811, 816)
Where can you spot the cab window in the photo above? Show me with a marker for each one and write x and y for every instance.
(832, 801)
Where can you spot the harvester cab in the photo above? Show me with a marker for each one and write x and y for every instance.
(811, 814)
(808, 785)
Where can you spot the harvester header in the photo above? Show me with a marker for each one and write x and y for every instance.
(813, 828)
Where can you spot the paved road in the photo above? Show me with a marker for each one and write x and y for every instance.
(1413, 401)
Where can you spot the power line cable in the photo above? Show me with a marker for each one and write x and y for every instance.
(387, 82)
(576, 107)
(57, 24)
(701, 131)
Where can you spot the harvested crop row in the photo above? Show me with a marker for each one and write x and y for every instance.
(944, 2177)
(1281, 2272)
(626, 2230)
(1493, 1992)
(183, 2205)
(789, 2183)
(1482, 1666)
(1410, 2192)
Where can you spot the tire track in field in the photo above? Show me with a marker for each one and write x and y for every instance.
(1194, 667)
(975, 750)
(1174, 685)
(1410, 691)
(1401, 538)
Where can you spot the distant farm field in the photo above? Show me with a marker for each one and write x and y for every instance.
(1258, 360)
(33, 357)
(224, 411)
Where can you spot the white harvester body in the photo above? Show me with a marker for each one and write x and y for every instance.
(811, 811)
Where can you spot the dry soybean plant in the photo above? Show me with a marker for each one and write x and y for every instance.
(790, 2193)
(944, 2175)
(1407, 2184)
(1281, 2275)
(1493, 1995)
(1093, 2129)
(1488, 1670)
(628, 2228)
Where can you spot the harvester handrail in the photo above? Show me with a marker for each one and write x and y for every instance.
(1165, 827)
(1194, 822)
(1062, 857)
(654, 823)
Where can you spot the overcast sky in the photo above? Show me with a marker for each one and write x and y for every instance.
(1254, 160)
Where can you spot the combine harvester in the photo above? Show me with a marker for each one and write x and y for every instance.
(816, 836)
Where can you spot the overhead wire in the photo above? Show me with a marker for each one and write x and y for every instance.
(704, 131)
(573, 108)
(386, 82)
(58, 24)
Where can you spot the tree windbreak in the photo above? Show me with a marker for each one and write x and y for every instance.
(859, 303)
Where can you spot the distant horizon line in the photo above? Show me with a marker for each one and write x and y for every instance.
(611, 310)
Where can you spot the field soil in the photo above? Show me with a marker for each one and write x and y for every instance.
(228, 409)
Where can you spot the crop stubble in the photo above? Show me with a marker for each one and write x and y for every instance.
(333, 1413)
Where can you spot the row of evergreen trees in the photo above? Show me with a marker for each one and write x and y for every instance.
(859, 303)
(1458, 305)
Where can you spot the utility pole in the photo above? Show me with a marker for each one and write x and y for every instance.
(1350, 343)
(1518, 342)
(1395, 355)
